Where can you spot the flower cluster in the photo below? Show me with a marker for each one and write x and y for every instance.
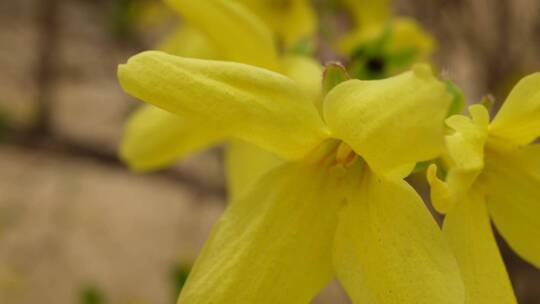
(317, 160)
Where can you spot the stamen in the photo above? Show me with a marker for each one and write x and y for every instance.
(345, 154)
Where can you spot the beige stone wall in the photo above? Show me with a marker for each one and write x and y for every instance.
(71, 214)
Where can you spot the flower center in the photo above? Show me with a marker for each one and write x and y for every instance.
(334, 153)
(345, 155)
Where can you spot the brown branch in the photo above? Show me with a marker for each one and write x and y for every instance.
(48, 143)
(48, 44)
(41, 138)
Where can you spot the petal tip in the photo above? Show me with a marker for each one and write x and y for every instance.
(479, 115)
(440, 195)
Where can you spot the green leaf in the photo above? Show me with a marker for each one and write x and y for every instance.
(403, 59)
(369, 60)
(422, 166)
(122, 18)
(334, 74)
(179, 277)
(91, 295)
(458, 99)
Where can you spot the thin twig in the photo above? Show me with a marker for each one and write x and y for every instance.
(48, 24)
(47, 143)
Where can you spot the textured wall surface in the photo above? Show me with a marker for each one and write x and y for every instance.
(72, 215)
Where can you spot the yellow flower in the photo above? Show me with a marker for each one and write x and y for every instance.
(495, 174)
(287, 21)
(367, 13)
(381, 44)
(292, 21)
(337, 206)
(216, 29)
(232, 29)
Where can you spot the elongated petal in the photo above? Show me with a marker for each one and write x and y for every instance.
(245, 165)
(273, 245)
(519, 118)
(408, 34)
(513, 196)
(291, 20)
(187, 41)
(237, 33)
(389, 249)
(299, 23)
(392, 122)
(260, 106)
(468, 231)
(154, 138)
(307, 73)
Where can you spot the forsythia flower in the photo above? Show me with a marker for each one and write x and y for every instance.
(381, 44)
(290, 22)
(338, 206)
(495, 174)
(215, 29)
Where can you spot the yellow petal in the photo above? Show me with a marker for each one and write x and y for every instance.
(369, 12)
(154, 138)
(465, 149)
(273, 245)
(445, 195)
(408, 34)
(441, 196)
(512, 180)
(245, 164)
(187, 41)
(307, 73)
(519, 118)
(262, 107)
(468, 231)
(291, 20)
(237, 33)
(299, 23)
(359, 37)
(466, 145)
(392, 122)
(389, 249)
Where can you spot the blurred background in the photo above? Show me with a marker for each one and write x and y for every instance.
(76, 226)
